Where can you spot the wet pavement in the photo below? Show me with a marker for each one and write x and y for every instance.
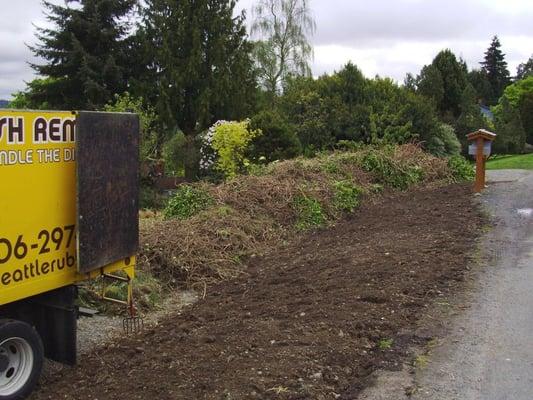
(489, 353)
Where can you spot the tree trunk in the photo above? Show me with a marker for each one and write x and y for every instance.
(192, 157)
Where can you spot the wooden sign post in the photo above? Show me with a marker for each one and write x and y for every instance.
(480, 147)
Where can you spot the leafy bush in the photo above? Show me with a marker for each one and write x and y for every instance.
(277, 141)
(186, 202)
(390, 172)
(149, 198)
(147, 118)
(511, 136)
(349, 145)
(461, 169)
(224, 147)
(347, 196)
(174, 154)
(444, 142)
(309, 211)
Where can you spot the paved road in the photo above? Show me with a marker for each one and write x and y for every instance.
(489, 354)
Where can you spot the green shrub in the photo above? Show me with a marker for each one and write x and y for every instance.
(278, 140)
(125, 102)
(461, 169)
(444, 142)
(389, 172)
(230, 140)
(347, 196)
(147, 290)
(310, 212)
(187, 202)
(149, 198)
(349, 145)
(331, 167)
(174, 155)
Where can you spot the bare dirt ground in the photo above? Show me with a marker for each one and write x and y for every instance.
(311, 320)
(483, 348)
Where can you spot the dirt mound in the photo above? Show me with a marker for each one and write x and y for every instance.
(310, 320)
(251, 213)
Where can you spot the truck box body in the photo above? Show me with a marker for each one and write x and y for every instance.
(39, 219)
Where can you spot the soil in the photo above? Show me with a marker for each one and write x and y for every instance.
(311, 320)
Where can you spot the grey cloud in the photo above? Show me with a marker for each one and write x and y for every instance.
(367, 23)
(371, 28)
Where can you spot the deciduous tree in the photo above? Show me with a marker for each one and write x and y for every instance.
(525, 69)
(284, 28)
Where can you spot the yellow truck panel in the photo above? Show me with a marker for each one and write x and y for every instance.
(38, 205)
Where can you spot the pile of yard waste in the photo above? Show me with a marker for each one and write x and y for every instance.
(209, 230)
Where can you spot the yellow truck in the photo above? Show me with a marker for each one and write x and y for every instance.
(68, 213)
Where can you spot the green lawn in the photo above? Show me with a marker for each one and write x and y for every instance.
(523, 161)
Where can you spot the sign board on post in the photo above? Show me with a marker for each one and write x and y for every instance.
(480, 148)
(487, 149)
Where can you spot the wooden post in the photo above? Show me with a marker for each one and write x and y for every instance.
(480, 138)
(480, 166)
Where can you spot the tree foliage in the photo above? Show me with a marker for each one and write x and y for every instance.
(284, 27)
(83, 52)
(347, 106)
(443, 81)
(511, 137)
(26, 99)
(444, 142)
(518, 99)
(525, 69)
(480, 82)
(147, 118)
(277, 141)
(201, 67)
(495, 68)
(470, 119)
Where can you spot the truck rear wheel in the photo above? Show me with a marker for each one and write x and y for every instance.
(21, 359)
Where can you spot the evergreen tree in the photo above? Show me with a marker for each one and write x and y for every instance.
(495, 68)
(431, 84)
(444, 81)
(470, 119)
(83, 52)
(200, 66)
(478, 79)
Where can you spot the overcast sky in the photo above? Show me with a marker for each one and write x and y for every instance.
(385, 37)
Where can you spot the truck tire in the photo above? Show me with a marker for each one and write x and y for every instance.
(21, 359)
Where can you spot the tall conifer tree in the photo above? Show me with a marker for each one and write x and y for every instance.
(83, 53)
(443, 81)
(495, 68)
(200, 66)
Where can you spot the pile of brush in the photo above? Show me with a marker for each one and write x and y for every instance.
(244, 217)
